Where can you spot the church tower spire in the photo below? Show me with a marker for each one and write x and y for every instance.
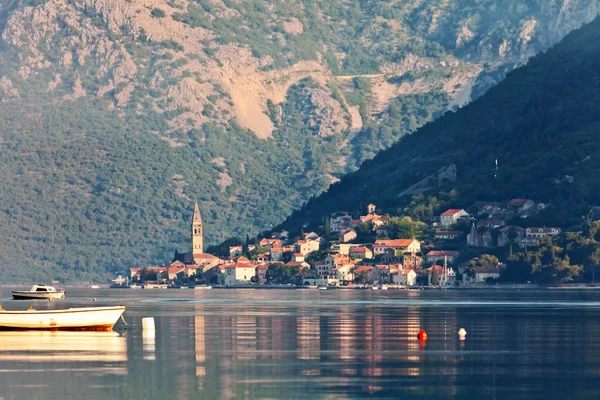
(197, 241)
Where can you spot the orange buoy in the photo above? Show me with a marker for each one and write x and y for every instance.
(422, 335)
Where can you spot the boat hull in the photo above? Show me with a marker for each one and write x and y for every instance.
(25, 295)
(73, 319)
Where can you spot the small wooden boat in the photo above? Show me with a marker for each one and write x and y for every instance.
(40, 292)
(77, 319)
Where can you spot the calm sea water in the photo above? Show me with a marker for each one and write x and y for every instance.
(278, 344)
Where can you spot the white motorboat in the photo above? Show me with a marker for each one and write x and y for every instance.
(203, 287)
(40, 292)
(85, 319)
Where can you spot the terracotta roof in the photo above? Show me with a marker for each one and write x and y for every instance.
(241, 265)
(359, 249)
(451, 212)
(204, 256)
(438, 269)
(363, 268)
(406, 271)
(394, 243)
(243, 259)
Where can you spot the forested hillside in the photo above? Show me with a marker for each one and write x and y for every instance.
(535, 135)
(117, 115)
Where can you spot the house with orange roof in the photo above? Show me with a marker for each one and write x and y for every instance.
(375, 220)
(405, 277)
(270, 243)
(277, 253)
(206, 260)
(308, 246)
(440, 255)
(344, 273)
(298, 257)
(440, 276)
(360, 253)
(239, 273)
(235, 251)
(335, 266)
(412, 246)
(452, 216)
(215, 274)
(263, 258)
(347, 236)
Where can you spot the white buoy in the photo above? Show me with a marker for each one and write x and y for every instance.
(462, 332)
(148, 324)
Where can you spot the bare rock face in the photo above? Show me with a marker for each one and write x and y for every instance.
(326, 115)
(116, 48)
(293, 26)
(463, 36)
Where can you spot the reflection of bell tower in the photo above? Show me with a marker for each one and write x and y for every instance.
(197, 232)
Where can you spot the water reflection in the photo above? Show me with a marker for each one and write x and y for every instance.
(44, 346)
(316, 344)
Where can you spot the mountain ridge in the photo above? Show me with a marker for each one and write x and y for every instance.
(117, 115)
(534, 135)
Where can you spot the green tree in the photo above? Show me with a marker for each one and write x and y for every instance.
(312, 257)
(157, 13)
(147, 274)
(592, 262)
(404, 228)
(280, 274)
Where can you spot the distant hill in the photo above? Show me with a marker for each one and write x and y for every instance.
(117, 115)
(541, 124)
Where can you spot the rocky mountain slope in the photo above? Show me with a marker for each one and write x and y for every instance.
(534, 135)
(118, 114)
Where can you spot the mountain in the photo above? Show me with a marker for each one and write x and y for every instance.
(535, 135)
(116, 115)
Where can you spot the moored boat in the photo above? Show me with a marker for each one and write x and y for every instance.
(85, 319)
(40, 292)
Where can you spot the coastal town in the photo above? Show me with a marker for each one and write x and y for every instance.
(371, 251)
